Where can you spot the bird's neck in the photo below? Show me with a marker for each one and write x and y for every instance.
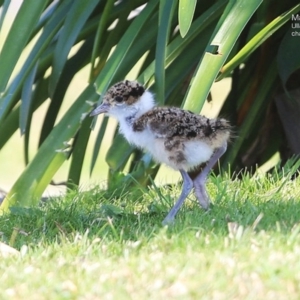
(126, 120)
(135, 110)
(145, 103)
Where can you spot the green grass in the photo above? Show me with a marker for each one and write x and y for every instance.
(101, 245)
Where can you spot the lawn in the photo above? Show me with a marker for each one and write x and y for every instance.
(100, 244)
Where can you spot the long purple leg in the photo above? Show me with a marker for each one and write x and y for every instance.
(199, 181)
(186, 189)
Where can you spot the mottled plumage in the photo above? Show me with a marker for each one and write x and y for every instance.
(179, 138)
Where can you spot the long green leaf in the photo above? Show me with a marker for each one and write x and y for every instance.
(4, 9)
(72, 67)
(17, 38)
(260, 98)
(98, 142)
(182, 67)
(105, 38)
(26, 103)
(112, 38)
(99, 39)
(167, 9)
(75, 20)
(9, 126)
(113, 64)
(224, 40)
(78, 152)
(48, 14)
(186, 10)
(257, 40)
(11, 123)
(118, 154)
(29, 187)
(179, 45)
(26, 111)
(49, 31)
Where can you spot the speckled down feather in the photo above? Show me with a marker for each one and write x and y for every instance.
(173, 122)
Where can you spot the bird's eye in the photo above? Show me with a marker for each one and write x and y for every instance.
(119, 98)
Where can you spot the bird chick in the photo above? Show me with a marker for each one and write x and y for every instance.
(178, 138)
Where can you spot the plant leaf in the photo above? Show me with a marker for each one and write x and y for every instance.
(29, 187)
(73, 65)
(228, 31)
(4, 9)
(19, 34)
(98, 142)
(178, 45)
(186, 12)
(250, 119)
(75, 20)
(100, 33)
(287, 60)
(78, 152)
(118, 153)
(49, 31)
(26, 103)
(166, 10)
(26, 111)
(113, 64)
(257, 40)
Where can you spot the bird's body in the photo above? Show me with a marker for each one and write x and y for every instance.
(179, 138)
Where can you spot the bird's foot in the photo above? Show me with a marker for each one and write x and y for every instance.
(186, 188)
(200, 180)
(168, 221)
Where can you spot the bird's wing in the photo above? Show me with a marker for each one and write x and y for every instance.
(171, 122)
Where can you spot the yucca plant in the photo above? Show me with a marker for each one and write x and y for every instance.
(182, 48)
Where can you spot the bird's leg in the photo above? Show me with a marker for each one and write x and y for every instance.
(199, 181)
(186, 188)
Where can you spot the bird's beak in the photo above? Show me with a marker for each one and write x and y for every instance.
(102, 108)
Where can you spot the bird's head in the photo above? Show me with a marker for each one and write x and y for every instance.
(122, 99)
